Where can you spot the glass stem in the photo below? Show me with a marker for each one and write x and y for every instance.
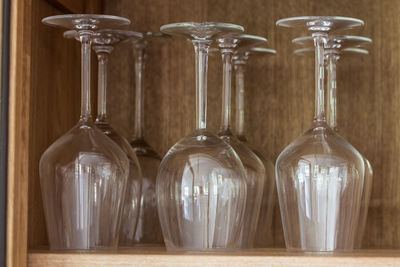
(201, 49)
(102, 57)
(85, 39)
(332, 90)
(319, 40)
(226, 88)
(139, 98)
(239, 78)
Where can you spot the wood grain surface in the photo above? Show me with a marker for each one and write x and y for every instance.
(261, 257)
(19, 134)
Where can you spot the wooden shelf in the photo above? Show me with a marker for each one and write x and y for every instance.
(258, 257)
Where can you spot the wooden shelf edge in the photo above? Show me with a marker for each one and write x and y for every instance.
(264, 257)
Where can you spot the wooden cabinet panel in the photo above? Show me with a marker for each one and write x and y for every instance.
(18, 142)
(44, 101)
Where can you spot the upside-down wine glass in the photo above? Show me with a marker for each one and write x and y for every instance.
(255, 170)
(332, 57)
(337, 45)
(83, 174)
(201, 183)
(320, 176)
(263, 236)
(103, 42)
(148, 229)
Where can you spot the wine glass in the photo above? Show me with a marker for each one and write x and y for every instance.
(201, 183)
(320, 176)
(83, 174)
(240, 59)
(148, 230)
(103, 44)
(332, 56)
(337, 45)
(255, 170)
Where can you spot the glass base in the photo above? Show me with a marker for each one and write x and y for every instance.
(320, 23)
(91, 21)
(335, 41)
(109, 37)
(318, 251)
(245, 40)
(89, 250)
(200, 30)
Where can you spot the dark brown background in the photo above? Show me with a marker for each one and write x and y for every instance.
(279, 99)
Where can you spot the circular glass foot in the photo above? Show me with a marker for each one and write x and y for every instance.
(200, 30)
(320, 23)
(309, 50)
(355, 50)
(335, 41)
(244, 53)
(243, 40)
(86, 21)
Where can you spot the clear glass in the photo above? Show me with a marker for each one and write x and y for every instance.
(83, 174)
(340, 45)
(320, 23)
(264, 225)
(255, 170)
(320, 178)
(148, 229)
(103, 43)
(336, 41)
(201, 183)
(332, 57)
